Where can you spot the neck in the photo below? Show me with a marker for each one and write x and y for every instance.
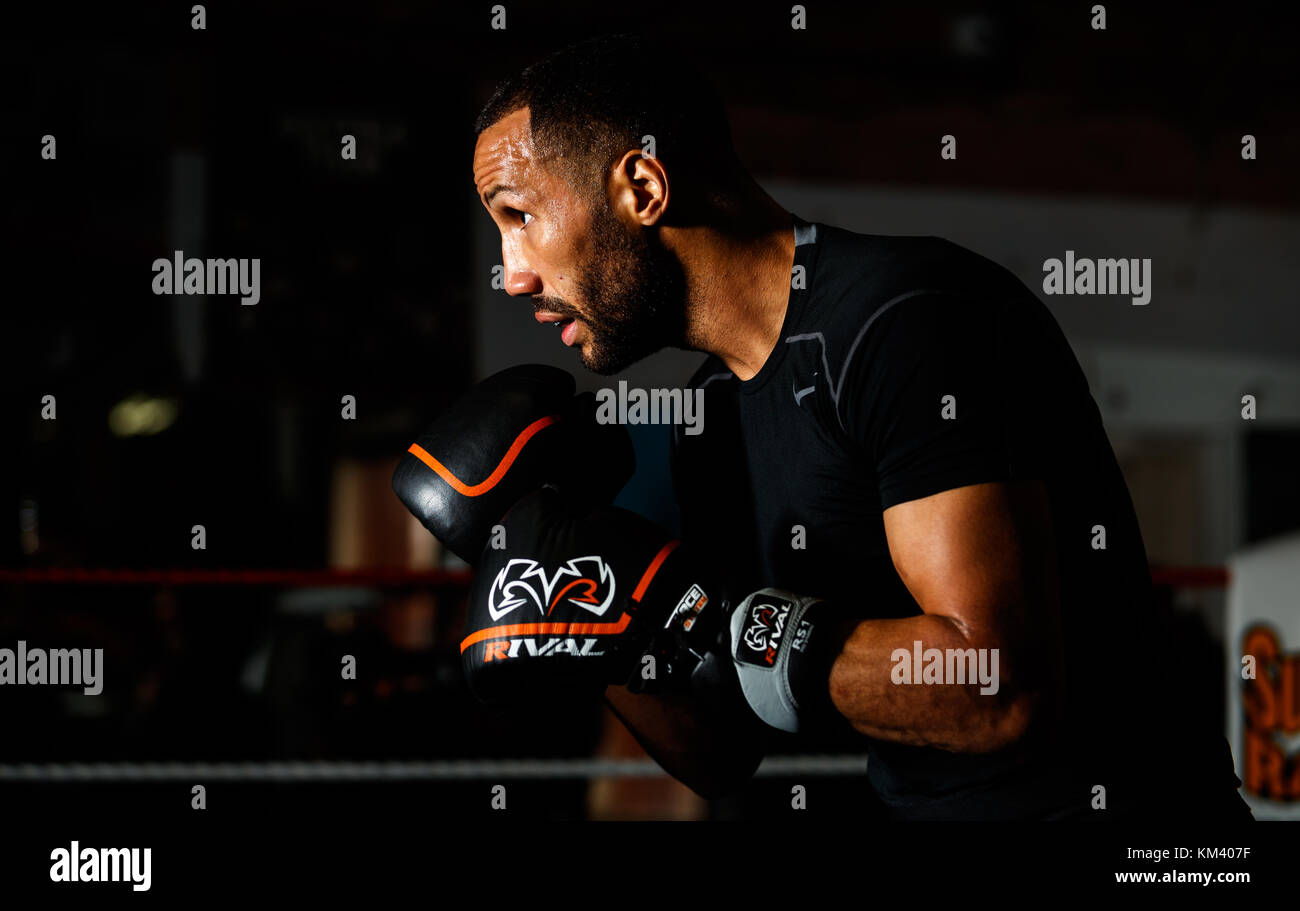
(738, 281)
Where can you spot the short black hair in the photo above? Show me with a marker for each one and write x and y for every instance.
(591, 102)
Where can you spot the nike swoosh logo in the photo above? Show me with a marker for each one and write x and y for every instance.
(800, 393)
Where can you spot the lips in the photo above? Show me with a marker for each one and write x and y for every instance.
(568, 325)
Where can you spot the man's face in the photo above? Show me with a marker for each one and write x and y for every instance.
(614, 291)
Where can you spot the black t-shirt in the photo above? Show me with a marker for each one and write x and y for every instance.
(787, 483)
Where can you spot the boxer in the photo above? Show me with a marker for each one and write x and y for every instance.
(901, 460)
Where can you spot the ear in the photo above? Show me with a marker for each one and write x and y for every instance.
(639, 188)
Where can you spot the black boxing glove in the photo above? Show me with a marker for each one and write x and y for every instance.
(512, 433)
(581, 597)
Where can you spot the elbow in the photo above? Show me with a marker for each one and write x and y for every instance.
(1006, 723)
(1008, 706)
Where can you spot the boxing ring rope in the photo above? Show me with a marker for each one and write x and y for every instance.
(438, 770)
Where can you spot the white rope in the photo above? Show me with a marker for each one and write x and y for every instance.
(436, 770)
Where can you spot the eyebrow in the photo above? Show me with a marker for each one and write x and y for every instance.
(499, 188)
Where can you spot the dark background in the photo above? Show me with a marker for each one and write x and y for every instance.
(371, 286)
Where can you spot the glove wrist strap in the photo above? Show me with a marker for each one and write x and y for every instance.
(783, 646)
(809, 669)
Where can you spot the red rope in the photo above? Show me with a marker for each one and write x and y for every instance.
(1190, 576)
(1172, 576)
(375, 576)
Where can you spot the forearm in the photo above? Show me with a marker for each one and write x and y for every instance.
(708, 750)
(949, 715)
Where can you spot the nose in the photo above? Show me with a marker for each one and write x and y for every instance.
(520, 278)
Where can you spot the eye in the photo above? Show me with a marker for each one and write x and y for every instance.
(513, 214)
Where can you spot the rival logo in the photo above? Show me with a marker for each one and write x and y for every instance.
(502, 649)
(584, 582)
(763, 634)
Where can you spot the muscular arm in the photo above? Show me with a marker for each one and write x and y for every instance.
(978, 558)
(980, 562)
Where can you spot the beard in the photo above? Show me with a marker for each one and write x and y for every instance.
(634, 295)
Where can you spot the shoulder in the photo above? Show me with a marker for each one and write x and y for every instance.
(897, 263)
(881, 298)
(861, 277)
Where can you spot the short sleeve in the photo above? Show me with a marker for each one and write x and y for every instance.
(922, 395)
